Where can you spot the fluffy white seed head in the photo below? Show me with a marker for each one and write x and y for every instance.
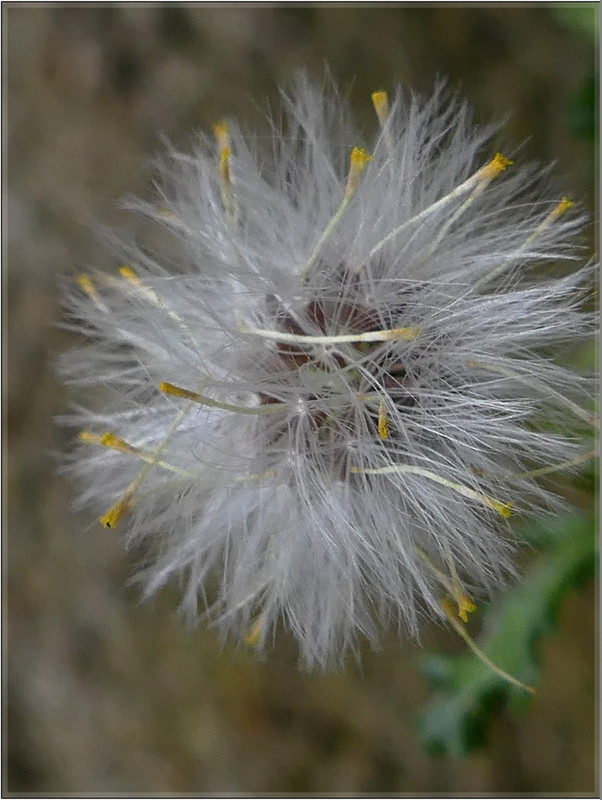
(324, 404)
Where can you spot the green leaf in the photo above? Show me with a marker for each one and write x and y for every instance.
(468, 692)
(582, 111)
(582, 18)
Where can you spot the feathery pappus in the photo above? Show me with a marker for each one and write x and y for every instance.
(324, 405)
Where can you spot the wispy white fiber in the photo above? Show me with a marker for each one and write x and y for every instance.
(323, 406)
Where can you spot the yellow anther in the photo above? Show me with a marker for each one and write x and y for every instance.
(222, 135)
(252, 638)
(448, 609)
(563, 206)
(465, 607)
(497, 164)
(85, 284)
(224, 165)
(90, 438)
(201, 399)
(503, 509)
(404, 333)
(108, 440)
(383, 421)
(176, 391)
(380, 101)
(114, 514)
(115, 443)
(221, 131)
(129, 275)
(357, 164)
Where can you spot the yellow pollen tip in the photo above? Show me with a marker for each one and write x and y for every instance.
(221, 131)
(252, 638)
(115, 443)
(403, 333)
(87, 286)
(380, 101)
(383, 422)
(465, 607)
(114, 514)
(497, 164)
(357, 164)
(89, 438)
(563, 206)
(129, 275)
(447, 606)
(359, 158)
(176, 391)
(504, 509)
(85, 283)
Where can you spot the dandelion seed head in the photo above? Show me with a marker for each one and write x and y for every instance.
(324, 408)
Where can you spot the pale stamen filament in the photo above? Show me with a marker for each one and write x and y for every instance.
(461, 630)
(302, 339)
(222, 135)
(120, 445)
(477, 191)
(485, 174)
(109, 440)
(573, 462)
(554, 214)
(87, 286)
(465, 604)
(504, 509)
(128, 274)
(359, 159)
(380, 101)
(112, 517)
(453, 586)
(201, 399)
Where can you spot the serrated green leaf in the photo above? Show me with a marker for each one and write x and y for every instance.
(455, 720)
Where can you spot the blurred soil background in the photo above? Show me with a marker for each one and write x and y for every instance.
(102, 694)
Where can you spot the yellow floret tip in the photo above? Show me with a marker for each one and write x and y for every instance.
(114, 514)
(383, 422)
(169, 388)
(129, 275)
(359, 158)
(224, 166)
(497, 164)
(500, 162)
(357, 164)
(465, 607)
(115, 443)
(221, 131)
(85, 282)
(563, 206)
(380, 101)
(402, 333)
(504, 509)
(89, 438)
(252, 638)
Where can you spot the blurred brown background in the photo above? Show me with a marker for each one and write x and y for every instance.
(103, 695)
